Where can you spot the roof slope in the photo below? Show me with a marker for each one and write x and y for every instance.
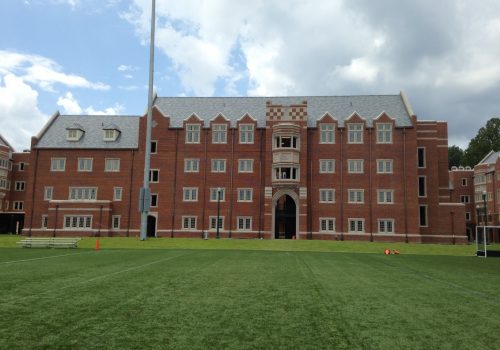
(4, 142)
(491, 158)
(233, 108)
(55, 134)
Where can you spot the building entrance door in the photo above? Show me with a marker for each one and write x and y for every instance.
(151, 230)
(285, 218)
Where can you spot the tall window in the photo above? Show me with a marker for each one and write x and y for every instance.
(464, 181)
(117, 193)
(384, 133)
(154, 175)
(421, 157)
(192, 133)
(189, 222)
(245, 194)
(220, 191)
(326, 166)
(20, 166)
(83, 193)
(355, 166)
(154, 147)
(355, 133)
(385, 196)
(246, 133)
(244, 223)
(213, 222)
(327, 133)
(45, 221)
(84, 164)
(384, 166)
(386, 225)
(327, 195)
(356, 196)
(47, 193)
(356, 225)
(422, 186)
(112, 164)
(219, 132)
(245, 165)
(57, 164)
(115, 222)
(190, 194)
(191, 165)
(327, 224)
(218, 165)
(154, 200)
(423, 216)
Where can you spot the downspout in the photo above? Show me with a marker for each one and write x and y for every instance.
(175, 182)
(205, 184)
(130, 193)
(231, 185)
(262, 182)
(404, 185)
(370, 183)
(341, 184)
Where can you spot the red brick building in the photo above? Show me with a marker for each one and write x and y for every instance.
(336, 167)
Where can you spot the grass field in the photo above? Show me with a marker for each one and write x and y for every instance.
(247, 295)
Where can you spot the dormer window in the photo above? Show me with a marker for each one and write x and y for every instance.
(111, 133)
(74, 133)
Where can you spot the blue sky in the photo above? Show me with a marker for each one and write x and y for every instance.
(91, 56)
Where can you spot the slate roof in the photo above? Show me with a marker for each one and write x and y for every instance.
(491, 158)
(233, 108)
(54, 134)
(5, 143)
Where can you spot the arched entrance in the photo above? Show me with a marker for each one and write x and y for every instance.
(285, 217)
(151, 230)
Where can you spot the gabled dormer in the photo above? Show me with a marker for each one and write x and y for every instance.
(75, 132)
(111, 133)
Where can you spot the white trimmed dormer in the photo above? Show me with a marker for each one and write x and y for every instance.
(74, 133)
(111, 133)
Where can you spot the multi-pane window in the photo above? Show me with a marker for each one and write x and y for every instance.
(355, 133)
(18, 205)
(384, 166)
(4, 163)
(286, 173)
(327, 166)
(327, 225)
(244, 223)
(191, 165)
(245, 165)
(190, 194)
(47, 193)
(327, 195)
(327, 133)
(423, 215)
(20, 186)
(154, 175)
(45, 221)
(384, 133)
(57, 164)
(385, 196)
(73, 134)
(465, 199)
(245, 194)
(422, 187)
(421, 157)
(3, 184)
(217, 193)
(112, 164)
(246, 133)
(218, 165)
(213, 222)
(111, 134)
(219, 133)
(83, 193)
(76, 222)
(117, 193)
(355, 166)
(356, 196)
(192, 133)
(115, 222)
(386, 226)
(356, 225)
(189, 222)
(286, 141)
(154, 200)
(84, 164)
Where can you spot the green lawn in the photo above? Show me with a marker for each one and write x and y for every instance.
(240, 297)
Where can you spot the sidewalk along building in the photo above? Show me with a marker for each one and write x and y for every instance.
(312, 167)
(13, 180)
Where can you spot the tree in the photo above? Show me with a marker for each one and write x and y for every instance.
(486, 140)
(455, 155)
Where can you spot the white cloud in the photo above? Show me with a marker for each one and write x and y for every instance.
(125, 68)
(20, 117)
(71, 106)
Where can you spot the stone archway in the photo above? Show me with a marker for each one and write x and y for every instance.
(285, 215)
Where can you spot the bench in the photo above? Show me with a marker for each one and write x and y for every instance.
(49, 242)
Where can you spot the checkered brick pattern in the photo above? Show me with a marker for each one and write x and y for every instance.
(274, 112)
(298, 113)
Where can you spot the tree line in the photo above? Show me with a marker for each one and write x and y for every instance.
(486, 140)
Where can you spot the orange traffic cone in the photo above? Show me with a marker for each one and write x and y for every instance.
(395, 251)
(97, 244)
(387, 251)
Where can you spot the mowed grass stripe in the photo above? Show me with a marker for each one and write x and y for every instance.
(210, 299)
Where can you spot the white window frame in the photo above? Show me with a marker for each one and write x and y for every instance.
(357, 221)
(326, 224)
(45, 222)
(18, 205)
(213, 194)
(383, 195)
(355, 166)
(355, 198)
(19, 186)
(464, 181)
(355, 133)
(189, 222)
(48, 193)
(110, 135)
(155, 151)
(191, 165)
(465, 199)
(278, 141)
(246, 133)
(154, 195)
(82, 193)
(213, 222)
(58, 164)
(424, 158)
(219, 133)
(245, 165)
(425, 186)
(382, 165)
(278, 173)
(112, 165)
(218, 165)
(21, 166)
(246, 222)
(190, 194)
(327, 166)
(83, 164)
(384, 229)
(77, 222)
(244, 193)
(113, 218)
(117, 194)
(193, 133)
(327, 195)
(327, 133)
(384, 133)
(151, 175)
